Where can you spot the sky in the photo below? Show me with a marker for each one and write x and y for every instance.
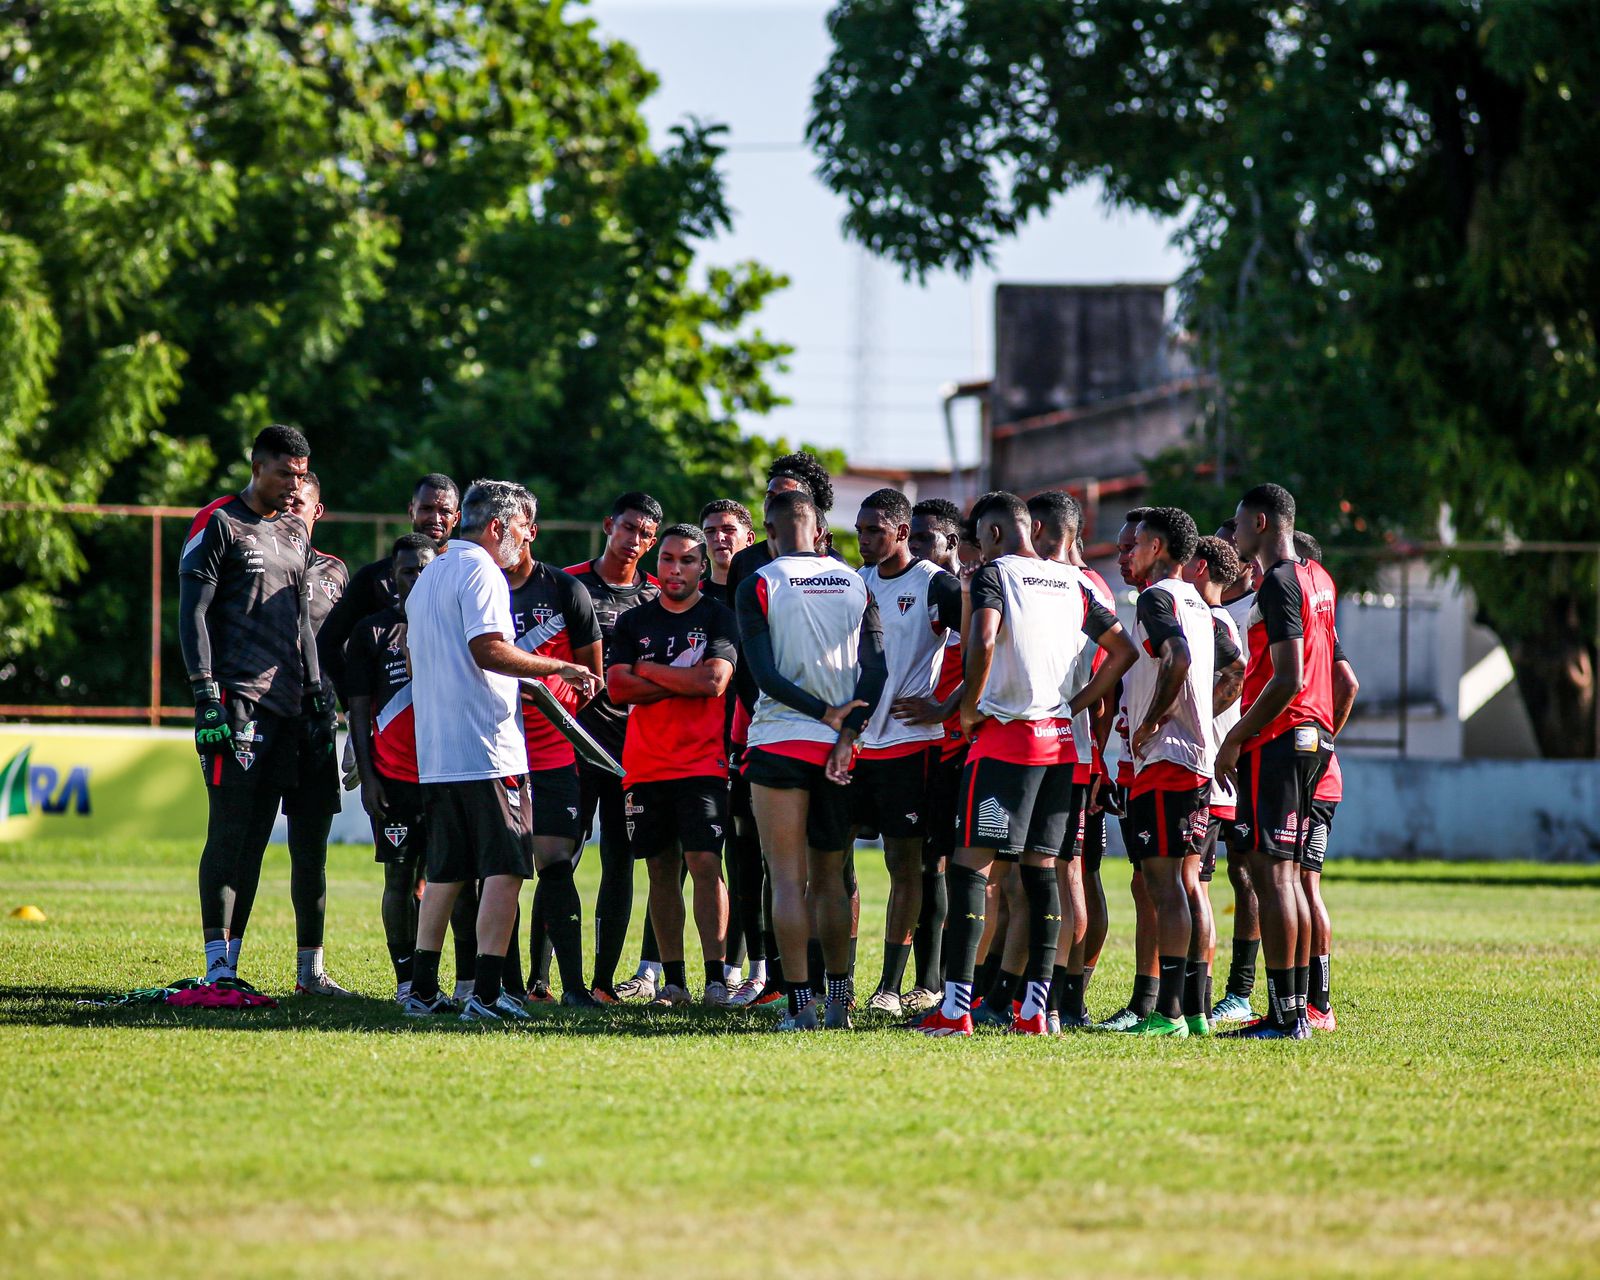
(871, 350)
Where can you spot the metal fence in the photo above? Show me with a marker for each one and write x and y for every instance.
(348, 524)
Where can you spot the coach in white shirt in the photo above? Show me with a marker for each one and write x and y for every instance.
(471, 754)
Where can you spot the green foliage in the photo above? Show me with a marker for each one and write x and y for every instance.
(1392, 217)
(432, 235)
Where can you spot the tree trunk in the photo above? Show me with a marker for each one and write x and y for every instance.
(1555, 674)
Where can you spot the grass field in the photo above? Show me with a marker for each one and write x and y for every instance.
(1450, 1128)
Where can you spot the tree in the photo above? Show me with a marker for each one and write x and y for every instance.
(432, 235)
(1393, 223)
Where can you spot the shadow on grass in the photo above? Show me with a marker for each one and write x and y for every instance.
(1348, 873)
(22, 1006)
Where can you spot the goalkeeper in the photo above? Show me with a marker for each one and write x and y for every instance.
(244, 625)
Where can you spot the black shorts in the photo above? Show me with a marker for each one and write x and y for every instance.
(1094, 837)
(1235, 839)
(479, 829)
(401, 834)
(265, 751)
(827, 816)
(316, 790)
(557, 803)
(600, 806)
(1077, 820)
(1321, 828)
(685, 813)
(1170, 824)
(890, 797)
(1014, 808)
(1277, 783)
(944, 795)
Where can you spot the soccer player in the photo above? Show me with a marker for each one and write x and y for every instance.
(472, 757)
(1316, 947)
(616, 582)
(434, 509)
(728, 530)
(310, 803)
(244, 626)
(806, 624)
(1234, 1006)
(935, 537)
(383, 728)
(554, 618)
(672, 661)
(1146, 969)
(919, 605)
(1174, 694)
(1211, 571)
(1029, 618)
(788, 473)
(1278, 752)
(1057, 521)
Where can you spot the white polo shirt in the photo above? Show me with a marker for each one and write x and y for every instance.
(469, 721)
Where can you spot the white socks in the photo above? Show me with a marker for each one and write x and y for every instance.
(957, 999)
(308, 965)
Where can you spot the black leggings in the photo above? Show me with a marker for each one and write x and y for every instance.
(237, 832)
(613, 903)
(746, 880)
(308, 874)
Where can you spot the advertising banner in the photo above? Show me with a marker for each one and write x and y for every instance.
(73, 782)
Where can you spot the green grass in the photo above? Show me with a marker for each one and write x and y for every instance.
(1448, 1129)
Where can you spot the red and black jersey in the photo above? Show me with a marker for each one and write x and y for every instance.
(554, 618)
(678, 737)
(1295, 601)
(605, 721)
(951, 673)
(259, 568)
(376, 667)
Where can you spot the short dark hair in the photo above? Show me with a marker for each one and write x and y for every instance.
(808, 469)
(278, 441)
(721, 506)
(690, 531)
(969, 531)
(1222, 561)
(1307, 547)
(1058, 511)
(1001, 501)
(941, 511)
(413, 542)
(1272, 500)
(311, 481)
(891, 502)
(637, 500)
(1175, 527)
(439, 482)
(1231, 524)
(1136, 515)
(791, 503)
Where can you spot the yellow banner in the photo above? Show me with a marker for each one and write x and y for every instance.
(68, 782)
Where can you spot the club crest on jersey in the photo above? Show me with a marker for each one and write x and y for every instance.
(296, 541)
(905, 603)
(330, 588)
(540, 614)
(630, 807)
(697, 639)
(396, 647)
(396, 836)
(716, 830)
